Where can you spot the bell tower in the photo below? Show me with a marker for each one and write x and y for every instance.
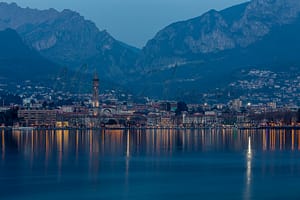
(95, 99)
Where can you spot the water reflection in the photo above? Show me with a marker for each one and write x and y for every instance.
(249, 157)
(3, 144)
(127, 158)
(191, 161)
(151, 142)
(60, 146)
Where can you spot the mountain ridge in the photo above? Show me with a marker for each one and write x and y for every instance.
(256, 34)
(17, 59)
(183, 58)
(69, 39)
(214, 31)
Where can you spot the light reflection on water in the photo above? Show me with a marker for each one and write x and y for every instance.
(147, 164)
(249, 157)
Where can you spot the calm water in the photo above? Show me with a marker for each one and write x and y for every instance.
(152, 164)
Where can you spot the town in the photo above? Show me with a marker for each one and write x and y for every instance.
(114, 109)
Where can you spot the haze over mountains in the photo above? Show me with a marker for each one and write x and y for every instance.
(205, 52)
(68, 39)
(18, 61)
(236, 27)
(183, 59)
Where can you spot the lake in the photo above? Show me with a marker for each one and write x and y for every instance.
(150, 164)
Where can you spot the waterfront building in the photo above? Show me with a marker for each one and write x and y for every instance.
(194, 120)
(37, 117)
(210, 118)
(75, 116)
(167, 121)
(153, 119)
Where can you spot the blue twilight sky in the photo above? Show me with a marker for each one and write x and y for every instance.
(133, 21)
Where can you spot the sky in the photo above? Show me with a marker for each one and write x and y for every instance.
(133, 21)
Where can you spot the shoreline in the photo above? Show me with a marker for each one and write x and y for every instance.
(150, 128)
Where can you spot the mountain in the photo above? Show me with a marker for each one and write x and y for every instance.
(235, 27)
(23, 65)
(204, 53)
(70, 40)
(184, 60)
(20, 62)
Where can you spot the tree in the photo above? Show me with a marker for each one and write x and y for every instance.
(9, 117)
(181, 106)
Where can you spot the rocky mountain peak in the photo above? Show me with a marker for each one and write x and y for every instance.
(235, 27)
(13, 16)
(68, 38)
(261, 16)
(279, 11)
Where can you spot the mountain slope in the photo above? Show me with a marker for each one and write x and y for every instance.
(186, 58)
(70, 40)
(213, 32)
(18, 61)
(277, 51)
(201, 54)
(20, 64)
